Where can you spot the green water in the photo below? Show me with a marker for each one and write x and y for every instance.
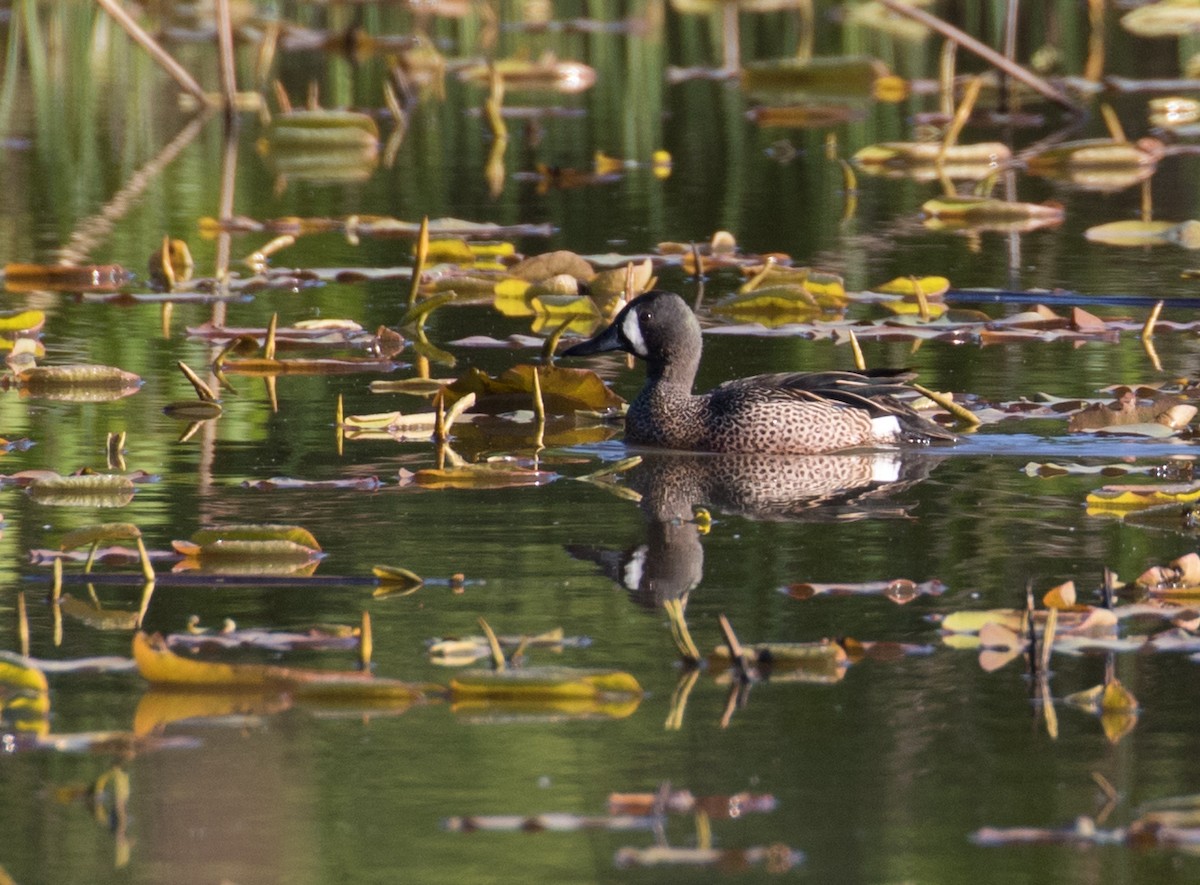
(879, 777)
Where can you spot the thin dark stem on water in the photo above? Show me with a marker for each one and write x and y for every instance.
(991, 56)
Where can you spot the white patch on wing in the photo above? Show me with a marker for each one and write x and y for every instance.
(885, 427)
(635, 568)
(632, 330)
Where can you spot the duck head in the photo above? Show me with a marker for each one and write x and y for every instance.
(657, 327)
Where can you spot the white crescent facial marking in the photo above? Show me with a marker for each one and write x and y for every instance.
(632, 330)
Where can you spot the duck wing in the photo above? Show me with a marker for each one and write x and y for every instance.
(875, 391)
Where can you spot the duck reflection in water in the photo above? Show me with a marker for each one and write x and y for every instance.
(836, 487)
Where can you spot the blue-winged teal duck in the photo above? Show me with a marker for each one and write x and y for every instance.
(786, 413)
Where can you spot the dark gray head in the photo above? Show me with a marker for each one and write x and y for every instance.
(658, 327)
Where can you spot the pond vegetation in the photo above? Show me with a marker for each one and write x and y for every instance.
(319, 566)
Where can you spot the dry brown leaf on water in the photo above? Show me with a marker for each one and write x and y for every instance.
(64, 277)
(1062, 596)
(1180, 574)
(564, 390)
(551, 264)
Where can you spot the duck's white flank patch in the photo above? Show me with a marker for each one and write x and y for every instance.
(885, 427)
(885, 467)
(635, 568)
(632, 331)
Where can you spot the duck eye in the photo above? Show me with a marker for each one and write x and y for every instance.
(645, 316)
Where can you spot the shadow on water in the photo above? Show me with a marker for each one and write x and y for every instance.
(669, 564)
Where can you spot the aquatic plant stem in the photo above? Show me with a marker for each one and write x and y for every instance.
(186, 81)
(991, 56)
(225, 52)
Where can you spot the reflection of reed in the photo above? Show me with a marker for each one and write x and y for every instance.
(92, 230)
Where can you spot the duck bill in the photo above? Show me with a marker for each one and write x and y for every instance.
(609, 339)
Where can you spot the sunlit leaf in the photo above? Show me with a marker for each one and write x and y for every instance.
(925, 161)
(1132, 232)
(22, 677)
(1166, 18)
(256, 532)
(22, 321)
(159, 666)
(78, 383)
(100, 490)
(609, 285)
(1121, 499)
(930, 287)
(989, 213)
(394, 580)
